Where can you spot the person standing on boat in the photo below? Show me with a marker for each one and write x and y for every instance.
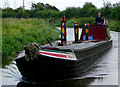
(99, 19)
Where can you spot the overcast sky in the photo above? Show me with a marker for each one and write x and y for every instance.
(60, 4)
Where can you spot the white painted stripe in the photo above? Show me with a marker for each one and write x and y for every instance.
(60, 57)
(53, 52)
(74, 58)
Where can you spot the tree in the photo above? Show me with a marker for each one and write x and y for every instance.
(50, 7)
(88, 9)
(116, 13)
(88, 5)
(8, 12)
(47, 14)
(106, 10)
(41, 6)
(19, 12)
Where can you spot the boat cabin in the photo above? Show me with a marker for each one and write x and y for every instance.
(94, 32)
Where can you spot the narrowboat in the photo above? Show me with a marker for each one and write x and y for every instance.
(66, 59)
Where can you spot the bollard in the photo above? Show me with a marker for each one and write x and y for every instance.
(63, 30)
(86, 31)
(76, 31)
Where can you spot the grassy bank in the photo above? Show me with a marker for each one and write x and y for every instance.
(16, 33)
(113, 25)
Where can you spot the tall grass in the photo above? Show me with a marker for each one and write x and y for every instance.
(114, 25)
(18, 32)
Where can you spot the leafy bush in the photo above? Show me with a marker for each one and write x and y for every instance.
(114, 25)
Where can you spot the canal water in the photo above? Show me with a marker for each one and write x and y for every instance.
(104, 72)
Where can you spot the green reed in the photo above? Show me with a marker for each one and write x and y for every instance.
(16, 33)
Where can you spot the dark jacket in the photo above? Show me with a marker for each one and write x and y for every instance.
(99, 20)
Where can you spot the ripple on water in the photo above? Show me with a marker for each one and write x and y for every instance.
(11, 75)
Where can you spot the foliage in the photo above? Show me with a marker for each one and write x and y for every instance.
(88, 10)
(116, 13)
(114, 25)
(41, 6)
(18, 32)
(50, 12)
(47, 14)
(41, 10)
(8, 12)
(38, 10)
(81, 21)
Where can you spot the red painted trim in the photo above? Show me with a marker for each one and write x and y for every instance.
(50, 48)
(53, 54)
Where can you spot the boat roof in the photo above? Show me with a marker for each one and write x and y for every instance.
(80, 46)
(84, 45)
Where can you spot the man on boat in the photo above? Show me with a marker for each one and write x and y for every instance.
(99, 19)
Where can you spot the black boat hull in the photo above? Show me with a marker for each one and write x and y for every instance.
(48, 68)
